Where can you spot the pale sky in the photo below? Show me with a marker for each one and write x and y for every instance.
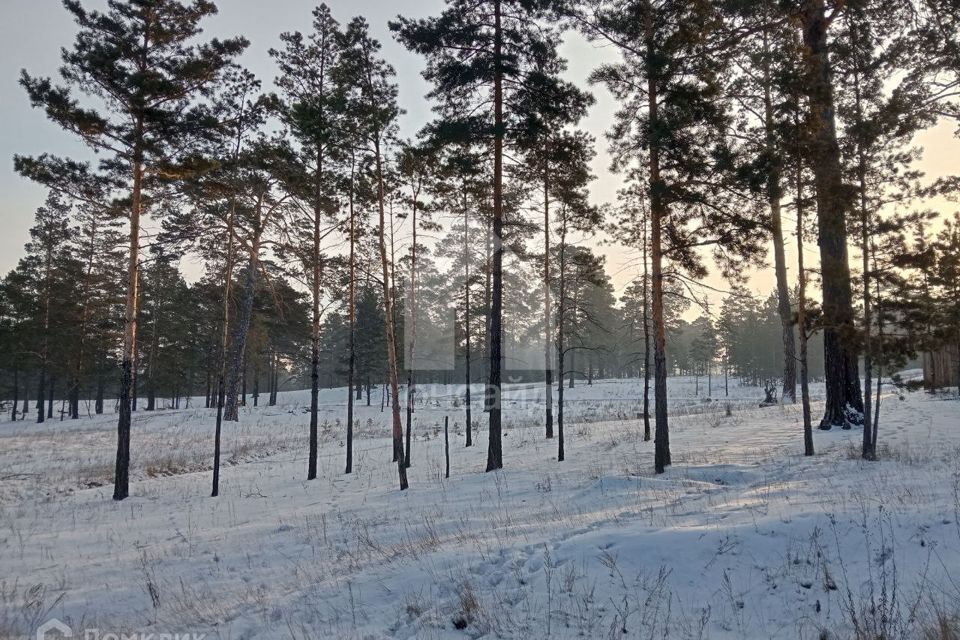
(33, 31)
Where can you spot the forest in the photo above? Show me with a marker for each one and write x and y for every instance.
(228, 239)
(740, 125)
(304, 206)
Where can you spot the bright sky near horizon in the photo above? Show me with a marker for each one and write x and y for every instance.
(32, 33)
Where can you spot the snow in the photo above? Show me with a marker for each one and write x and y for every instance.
(742, 537)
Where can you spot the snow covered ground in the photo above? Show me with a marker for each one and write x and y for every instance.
(742, 537)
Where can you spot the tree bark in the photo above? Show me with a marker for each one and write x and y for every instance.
(876, 406)
(548, 368)
(646, 333)
(391, 334)
(16, 393)
(802, 323)
(561, 324)
(844, 403)
(867, 451)
(352, 314)
(315, 324)
(657, 214)
(222, 357)
(98, 402)
(412, 337)
(774, 197)
(50, 398)
(466, 315)
(494, 448)
(275, 377)
(121, 482)
(151, 390)
(241, 328)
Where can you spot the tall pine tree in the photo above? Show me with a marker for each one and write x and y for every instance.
(145, 78)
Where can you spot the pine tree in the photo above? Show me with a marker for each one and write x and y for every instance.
(47, 253)
(312, 108)
(547, 105)
(139, 61)
(947, 285)
(374, 100)
(478, 58)
(762, 81)
(576, 266)
(844, 404)
(262, 208)
(871, 44)
(672, 121)
(461, 188)
(803, 322)
(632, 228)
(96, 245)
(413, 164)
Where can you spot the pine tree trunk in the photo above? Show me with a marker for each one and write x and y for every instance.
(243, 382)
(121, 481)
(726, 376)
(774, 194)
(151, 388)
(390, 332)
(844, 404)
(646, 335)
(560, 372)
(73, 405)
(487, 286)
(868, 452)
(802, 322)
(41, 396)
(315, 325)
(466, 316)
(783, 306)
(494, 448)
(45, 348)
(548, 368)
(50, 398)
(236, 361)
(224, 345)
(98, 402)
(352, 314)
(657, 213)
(561, 333)
(275, 380)
(16, 393)
(412, 336)
(256, 379)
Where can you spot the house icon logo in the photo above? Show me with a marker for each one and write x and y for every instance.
(53, 629)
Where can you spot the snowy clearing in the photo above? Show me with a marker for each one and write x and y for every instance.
(742, 537)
